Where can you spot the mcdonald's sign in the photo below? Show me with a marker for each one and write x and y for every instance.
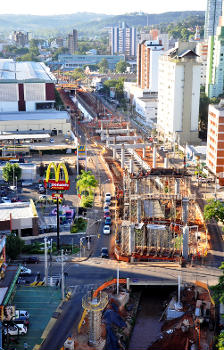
(56, 183)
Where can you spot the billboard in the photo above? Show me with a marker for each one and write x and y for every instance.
(82, 152)
(7, 312)
(57, 185)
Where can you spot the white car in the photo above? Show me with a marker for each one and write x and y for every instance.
(107, 196)
(51, 140)
(25, 271)
(6, 200)
(106, 229)
(18, 329)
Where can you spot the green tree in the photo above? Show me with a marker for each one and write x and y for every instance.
(10, 172)
(121, 67)
(214, 210)
(119, 87)
(86, 182)
(78, 73)
(14, 245)
(59, 51)
(103, 66)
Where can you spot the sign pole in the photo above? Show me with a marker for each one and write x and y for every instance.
(58, 226)
(77, 160)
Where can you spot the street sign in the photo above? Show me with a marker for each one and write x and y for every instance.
(60, 185)
(82, 150)
(57, 195)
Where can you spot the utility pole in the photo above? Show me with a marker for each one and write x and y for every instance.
(77, 160)
(62, 276)
(45, 261)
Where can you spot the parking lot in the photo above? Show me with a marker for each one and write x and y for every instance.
(40, 302)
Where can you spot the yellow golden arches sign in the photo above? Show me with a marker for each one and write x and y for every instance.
(57, 172)
(56, 184)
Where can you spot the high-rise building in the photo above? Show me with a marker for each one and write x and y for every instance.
(202, 52)
(214, 11)
(73, 42)
(215, 140)
(123, 40)
(179, 93)
(148, 64)
(215, 62)
(20, 38)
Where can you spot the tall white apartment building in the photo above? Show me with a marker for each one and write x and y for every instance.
(215, 63)
(214, 11)
(179, 93)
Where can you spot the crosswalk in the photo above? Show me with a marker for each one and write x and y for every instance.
(78, 288)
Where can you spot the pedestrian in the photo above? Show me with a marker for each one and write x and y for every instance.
(25, 346)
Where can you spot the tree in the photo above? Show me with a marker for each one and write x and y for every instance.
(218, 292)
(78, 73)
(214, 210)
(121, 67)
(10, 172)
(86, 182)
(103, 66)
(14, 245)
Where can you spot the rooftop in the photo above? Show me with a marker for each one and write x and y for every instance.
(41, 115)
(30, 72)
(18, 210)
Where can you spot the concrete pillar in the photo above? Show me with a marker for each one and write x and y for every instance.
(143, 152)
(166, 162)
(185, 242)
(185, 202)
(139, 210)
(114, 153)
(131, 166)
(177, 187)
(137, 186)
(131, 239)
(154, 157)
(122, 156)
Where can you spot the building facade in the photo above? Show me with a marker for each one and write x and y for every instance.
(73, 42)
(212, 14)
(148, 64)
(215, 140)
(25, 86)
(179, 94)
(123, 40)
(69, 62)
(202, 52)
(215, 63)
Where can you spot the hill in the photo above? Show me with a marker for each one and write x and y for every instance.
(87, 23)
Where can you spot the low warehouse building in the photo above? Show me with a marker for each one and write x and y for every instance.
(20, 217)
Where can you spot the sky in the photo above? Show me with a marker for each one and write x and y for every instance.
(55, 7)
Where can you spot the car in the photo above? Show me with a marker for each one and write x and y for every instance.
(18, 329)
(31, 260)
(25, 271)
(106, 208)
(13, 188)
(107, 196)
(22, 314)
(26, 322)
(107, 214)
(106, 229)
(104, 253)
(108, 221)
(6, 200)
(51, 140)
(44, 198)
(42, 190)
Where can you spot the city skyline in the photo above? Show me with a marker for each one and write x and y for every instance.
(99, 6)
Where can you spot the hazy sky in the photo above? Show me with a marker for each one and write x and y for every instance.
(51, 7)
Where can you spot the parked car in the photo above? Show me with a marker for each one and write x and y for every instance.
(42, 190)
(31, 260)
(106, 229)
(51, 140)
(104, 253)
(106, 208)
(22, 314)
(26, 322)
(25, 271)
(6, 200)
(18, 329)
(107, 214)
(108, 221)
